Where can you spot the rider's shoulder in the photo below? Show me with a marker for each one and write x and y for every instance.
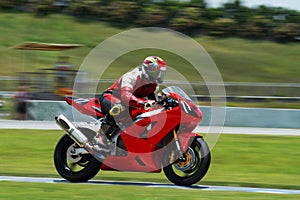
(131, 75)
(136, 72)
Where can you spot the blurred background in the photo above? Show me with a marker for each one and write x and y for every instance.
(255, 47)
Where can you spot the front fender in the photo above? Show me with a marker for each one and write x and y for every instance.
(185, 139)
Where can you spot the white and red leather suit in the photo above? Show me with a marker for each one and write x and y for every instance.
(130, 91)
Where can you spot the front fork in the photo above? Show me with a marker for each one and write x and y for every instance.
(182, 143)
(177, 154)
(177, 143)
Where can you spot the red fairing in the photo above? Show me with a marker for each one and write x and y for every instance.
(86, 106)
(146, 133)
(185, 139)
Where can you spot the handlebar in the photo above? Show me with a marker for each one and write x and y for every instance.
(168, 102)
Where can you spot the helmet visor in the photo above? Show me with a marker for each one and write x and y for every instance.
(161, 76)
(153, 74)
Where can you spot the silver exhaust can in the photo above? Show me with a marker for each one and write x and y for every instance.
(72, 131)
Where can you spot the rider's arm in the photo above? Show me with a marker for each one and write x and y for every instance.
(129, 99)
(127, 83)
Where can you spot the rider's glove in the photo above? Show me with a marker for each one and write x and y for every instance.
(149, 104)
(145, 104)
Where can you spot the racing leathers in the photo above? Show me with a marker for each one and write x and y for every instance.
(129, 92)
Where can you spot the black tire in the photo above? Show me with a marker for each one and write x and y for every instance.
(83, 170)
(195, 171)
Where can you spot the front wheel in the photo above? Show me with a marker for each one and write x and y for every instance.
(74, 168)
(193, 167)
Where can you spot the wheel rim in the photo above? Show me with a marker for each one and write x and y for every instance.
(73, 158)
(189, 166)
(75, 163)
(187, 162)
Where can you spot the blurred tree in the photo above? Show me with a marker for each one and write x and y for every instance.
(256, 27)
(170, 6)
(214, 13)
(223, 27)
(231, 19)
(104, 2)
(10, 4)
(236, 11)
(144, 2)
(287, 32)
(263, 10)
(198, 3)
(233, 5)
(86, 8)
(44, 7)
(122, 11)
(188, 18)
(293, 16)
(152, 16)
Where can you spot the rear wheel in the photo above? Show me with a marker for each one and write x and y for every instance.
(193, 165)
(74, 168)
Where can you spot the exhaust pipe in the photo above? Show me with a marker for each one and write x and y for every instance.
(72, 131)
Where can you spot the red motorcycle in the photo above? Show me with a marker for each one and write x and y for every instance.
(158, 137)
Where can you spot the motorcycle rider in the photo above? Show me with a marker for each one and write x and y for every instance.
(132, 90)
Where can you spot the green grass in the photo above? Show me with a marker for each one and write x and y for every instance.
(16, 191)
(243, 160)
(237, 59)
(18, 28)
(254, 60)
(237, 160)
(247, 160)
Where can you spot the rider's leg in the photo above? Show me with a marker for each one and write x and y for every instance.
(107, 102)
(107, 125)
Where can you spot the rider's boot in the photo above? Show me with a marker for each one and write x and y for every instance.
(103, 138)
(108, 128)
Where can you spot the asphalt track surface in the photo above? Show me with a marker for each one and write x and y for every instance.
(42, 125)
(49, 125)
(151, 185)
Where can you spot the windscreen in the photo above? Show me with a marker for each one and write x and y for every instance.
(177, 90)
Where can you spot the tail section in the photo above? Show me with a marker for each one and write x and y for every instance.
(86, 106)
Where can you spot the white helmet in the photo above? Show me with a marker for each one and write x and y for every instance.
(154, 68)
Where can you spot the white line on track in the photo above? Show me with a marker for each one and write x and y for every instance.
(153, 185)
